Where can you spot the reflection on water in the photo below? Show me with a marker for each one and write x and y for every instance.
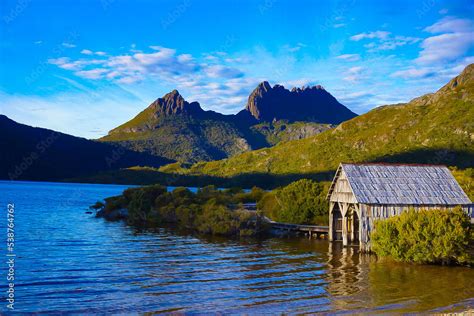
(68, 261)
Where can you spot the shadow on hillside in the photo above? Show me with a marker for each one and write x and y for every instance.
(459, 159)
(248, 180)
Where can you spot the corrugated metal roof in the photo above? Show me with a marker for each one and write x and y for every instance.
(404, 184)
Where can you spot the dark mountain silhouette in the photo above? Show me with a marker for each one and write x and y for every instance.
(41, 154)
(313, 104)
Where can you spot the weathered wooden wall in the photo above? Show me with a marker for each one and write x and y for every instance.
(371, 213)
(342, 191)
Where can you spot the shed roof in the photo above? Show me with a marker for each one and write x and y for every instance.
(403, 184)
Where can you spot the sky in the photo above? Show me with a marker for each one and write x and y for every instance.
(85, 67)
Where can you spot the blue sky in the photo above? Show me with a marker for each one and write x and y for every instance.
(84, 67)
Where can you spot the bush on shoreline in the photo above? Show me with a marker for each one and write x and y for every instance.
(425, 236)
(301, 202)
(210, 211)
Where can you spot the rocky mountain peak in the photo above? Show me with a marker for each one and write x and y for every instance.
(307, 88)
(313, 103)
(173, 103)
(464, 78)
(264, 86)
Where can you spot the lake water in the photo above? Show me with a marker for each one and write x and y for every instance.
(69, 261)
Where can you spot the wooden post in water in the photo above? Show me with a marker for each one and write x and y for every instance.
(344, 224)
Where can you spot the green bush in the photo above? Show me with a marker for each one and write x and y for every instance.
(207, 211)
(425, 236)
(97, 206)
(301, 202)
(216, 219)
(141, 202)
(114, 203)
(268, 204)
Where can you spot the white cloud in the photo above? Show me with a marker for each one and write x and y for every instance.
(451, 24)
(349, 57)
(294, 48)
(339, 25)
(412, 73)
(219, 71)
(384, 40)
(87, 52)
(456, 39)
(68, 45)
(377, 34)
(92, 74)
(444, 47)
(354, 74)
(162, 62)
(395, 42)
(38, 42)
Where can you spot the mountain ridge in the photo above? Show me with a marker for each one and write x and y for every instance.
(176, 129)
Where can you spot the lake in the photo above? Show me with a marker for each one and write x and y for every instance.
(69, 261)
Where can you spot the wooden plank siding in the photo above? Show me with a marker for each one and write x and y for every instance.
(351, 210)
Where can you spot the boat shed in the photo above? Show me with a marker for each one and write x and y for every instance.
(363, 193)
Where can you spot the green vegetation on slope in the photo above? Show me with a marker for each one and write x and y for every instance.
(282, 130)
(188, 139)
(436, 129)
(465, 178)
(426, 236)
(182, 138)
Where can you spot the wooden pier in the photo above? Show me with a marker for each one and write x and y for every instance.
(307, 230)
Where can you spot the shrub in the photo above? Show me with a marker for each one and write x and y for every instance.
(216, 220)
(114, 203)
(301, 202)
(97, 206)
(268, 204)
(250, 197)
(141, 202)
(425, 236)
(206, 211)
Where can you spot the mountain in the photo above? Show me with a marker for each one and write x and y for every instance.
(173, 128)
(30, 153)
(314, 104)
(436, 128)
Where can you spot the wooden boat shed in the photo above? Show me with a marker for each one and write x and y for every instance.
(363, 193)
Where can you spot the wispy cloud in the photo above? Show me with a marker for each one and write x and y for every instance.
(68, 45)
(354, 74)
(161, 62)
(370, 35)
(413, 73)
(294, 48)
(349, 57)
(456, 38)
(89, 52)
(384, 40)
